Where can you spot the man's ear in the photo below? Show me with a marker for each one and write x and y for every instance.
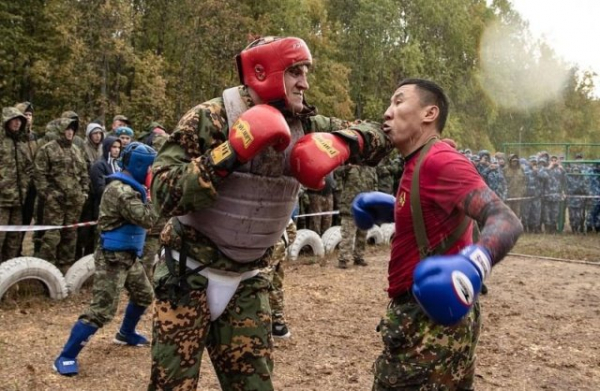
(430, 113)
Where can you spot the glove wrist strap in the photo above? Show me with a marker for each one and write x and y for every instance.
(480, 257)
(222, 160)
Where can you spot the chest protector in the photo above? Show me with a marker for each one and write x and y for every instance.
(254, 203)
(127, 237)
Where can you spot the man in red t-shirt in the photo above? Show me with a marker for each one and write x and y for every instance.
(435, 272)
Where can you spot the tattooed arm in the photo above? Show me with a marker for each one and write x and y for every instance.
(501, 228)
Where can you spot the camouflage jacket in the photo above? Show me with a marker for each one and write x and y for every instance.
(62, 172)
(122, 204)
(183, 183)
(355, 179)
(16, 164)
(515, 181)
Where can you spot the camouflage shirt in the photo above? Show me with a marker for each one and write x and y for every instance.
(183, 183)
(122, 204)
(16, 165)
(62, 169)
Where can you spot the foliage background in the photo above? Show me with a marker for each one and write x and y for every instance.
(154, 59)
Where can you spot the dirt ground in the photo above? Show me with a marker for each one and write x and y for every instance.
(541, 332)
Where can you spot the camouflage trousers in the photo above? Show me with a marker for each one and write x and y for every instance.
(576, 219)
(239, 342)
(354, 241)
(532, 215)
(115, 271)
(421, 355)
(276, 274)
(58, 245)
(320, 203)
(151, 249)
(10, 242)
(550, 212)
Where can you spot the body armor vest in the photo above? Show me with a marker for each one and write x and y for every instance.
(254, 203)
(127, 237)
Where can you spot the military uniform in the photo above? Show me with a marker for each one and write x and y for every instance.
(61, 178)
(184, 186)
(121, 204)
(357, 179)
(16, 169)
(319, 202)
(515, 184)
(576, 186)
(552, 196)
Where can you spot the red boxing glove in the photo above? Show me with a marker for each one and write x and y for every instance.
(317, 154)
(256, 129)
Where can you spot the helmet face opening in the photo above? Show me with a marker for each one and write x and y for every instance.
(262, 65)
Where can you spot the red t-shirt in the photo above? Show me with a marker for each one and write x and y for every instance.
(446, 177)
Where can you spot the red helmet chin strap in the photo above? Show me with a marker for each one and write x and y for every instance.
(262, 65)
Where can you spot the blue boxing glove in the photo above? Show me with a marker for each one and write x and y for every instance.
(373, 208)
(447, 286)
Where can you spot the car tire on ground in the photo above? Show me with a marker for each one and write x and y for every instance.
(306, 238)
(332, 238)
(79, 272)
(27, 268)
(388, 231)
(375, 236)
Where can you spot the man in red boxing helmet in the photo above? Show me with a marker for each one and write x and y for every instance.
(229, 203)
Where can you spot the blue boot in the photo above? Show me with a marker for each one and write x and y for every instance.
(127, 334)
(66, 363)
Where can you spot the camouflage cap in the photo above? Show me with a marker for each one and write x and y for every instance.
(121, 117)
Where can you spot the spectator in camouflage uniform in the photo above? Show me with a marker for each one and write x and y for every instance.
(321, 201)
(552, 195)
(16, 168)
(276, 272)
(79, 142)
(61, 179)
(532, 208)
(576, 186)
(125, 213)
(515, 183)
(29, 205)
(356, 179)
(118, 121)
(153, 130)
(493, 177)
(593, 217)
(211, 192)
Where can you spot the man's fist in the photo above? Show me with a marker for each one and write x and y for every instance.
(317, 154)
(447, 286)
(256, 129)
(373, 208)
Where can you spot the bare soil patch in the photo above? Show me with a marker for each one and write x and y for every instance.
(541, 332)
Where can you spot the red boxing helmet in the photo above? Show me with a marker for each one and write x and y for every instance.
(262, 64)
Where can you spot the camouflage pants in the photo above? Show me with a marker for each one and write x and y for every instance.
(421, 355)
(239, 342)
(320, 203)
(151, 249)
(115, 271)
(532, 215)
(58, 246)
(550, 212)
(576, 219)
(354, 241)
(10, 242)
(276, 274)
(515, 206)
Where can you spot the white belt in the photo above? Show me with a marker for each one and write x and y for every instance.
(221, 284)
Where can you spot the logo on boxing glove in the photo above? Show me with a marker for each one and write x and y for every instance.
(242, 131)
(463, 288)
(326, 145)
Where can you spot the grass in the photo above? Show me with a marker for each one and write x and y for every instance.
(565, 245)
